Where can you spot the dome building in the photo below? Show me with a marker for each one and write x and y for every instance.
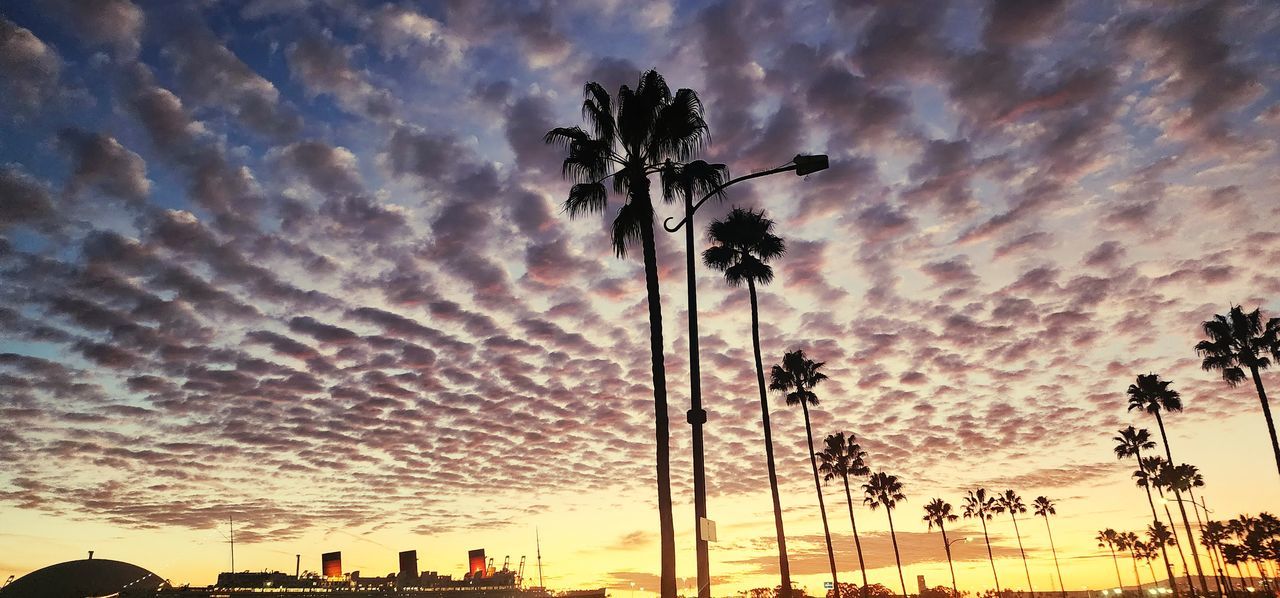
(83, 579)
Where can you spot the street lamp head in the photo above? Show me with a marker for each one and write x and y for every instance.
(809, 164)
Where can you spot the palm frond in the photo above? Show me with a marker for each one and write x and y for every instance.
(680, 131)
(597, 109)
(586, 198)
(627, 227)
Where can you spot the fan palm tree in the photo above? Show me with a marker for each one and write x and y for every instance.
(843, 457)
(796, 376)
(1186, 478)
(628, 142)
(1044, 507)
(1130, 442)
(1149, 476)
(1153, 395)
(1128, 542)
(743, 245)
(1011, 503)
(938, 512)
(884, 490)
(978, 505)
(1147, 552)
(1110, 539)
(1212, 536)
(1238, 341)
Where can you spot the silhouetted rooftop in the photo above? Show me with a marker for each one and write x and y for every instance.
(78, 579)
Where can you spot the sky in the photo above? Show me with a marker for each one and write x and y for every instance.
(303, 263)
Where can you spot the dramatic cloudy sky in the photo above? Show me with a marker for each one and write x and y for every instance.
(302, 263)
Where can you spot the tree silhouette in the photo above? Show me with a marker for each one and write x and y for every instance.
(1044, 507)
(1127, 542)
(1153, 395)
(938, 512)
(1109, 538)
(1238, 341)
(840, 458)
(1130, 442)
(796, 376)
(1012, 503)
(743, 245)
(1185, 477)
(978, 505)
(629, 141)
(884, 490)
(1148, 476)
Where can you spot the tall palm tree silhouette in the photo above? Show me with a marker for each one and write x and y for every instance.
(1109, 538)
(744, 244)
(1130, 442)
(938, 512)
(628, 142)
(1153, 395)
(1044, 507)
(1238, 341)
(1158, 533)
(978, 505)
(840, 458)
(1128, 542)
(1011, 503)
(1148, 476)
(1214, 534)
(884, 490)
(796, 376)
(1186, 477)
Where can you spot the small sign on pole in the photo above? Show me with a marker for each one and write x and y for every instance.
(706, 529)
(828, 585)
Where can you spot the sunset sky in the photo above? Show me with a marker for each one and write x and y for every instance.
(303, 263)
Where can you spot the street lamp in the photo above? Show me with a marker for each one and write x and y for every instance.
(697, 416)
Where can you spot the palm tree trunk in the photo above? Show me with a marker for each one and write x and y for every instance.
(1018, 535)
(1266, 413)
(1116, 562)
(783, 567)
(856, 542)
(1155, 518)
(1244, 582)
(662, 425)
(897, 559)
(1062, 587)
(696, 415)
(1133, 557)
(1186, 523)
(1173, 529)
(990, 556)
(1195, 508)
(946, 544)
(822, 508)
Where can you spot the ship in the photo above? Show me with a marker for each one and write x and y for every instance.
(482, 580)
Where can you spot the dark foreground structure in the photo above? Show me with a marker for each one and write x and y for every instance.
(101, 577)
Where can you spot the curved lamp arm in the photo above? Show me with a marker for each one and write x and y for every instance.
(802, 164)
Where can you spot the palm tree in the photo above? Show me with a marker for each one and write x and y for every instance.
(1212, 536)
(1153, 395)
(1237, 341)
(938, 512)
(743, 245)
(1012, 503)
(1186, 478)
(797, 376)
(1147, 552)
(628, 142)
(844, 457)
(1044, 507)
(1128, 541)
(884, 490)
(1148, 476)
(978, 504)
(1130, 443)
(1111, 538)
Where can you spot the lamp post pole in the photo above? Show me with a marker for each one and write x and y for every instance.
(697, 416)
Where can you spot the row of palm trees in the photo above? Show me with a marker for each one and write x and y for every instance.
(650, 131)
(1256, 543)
